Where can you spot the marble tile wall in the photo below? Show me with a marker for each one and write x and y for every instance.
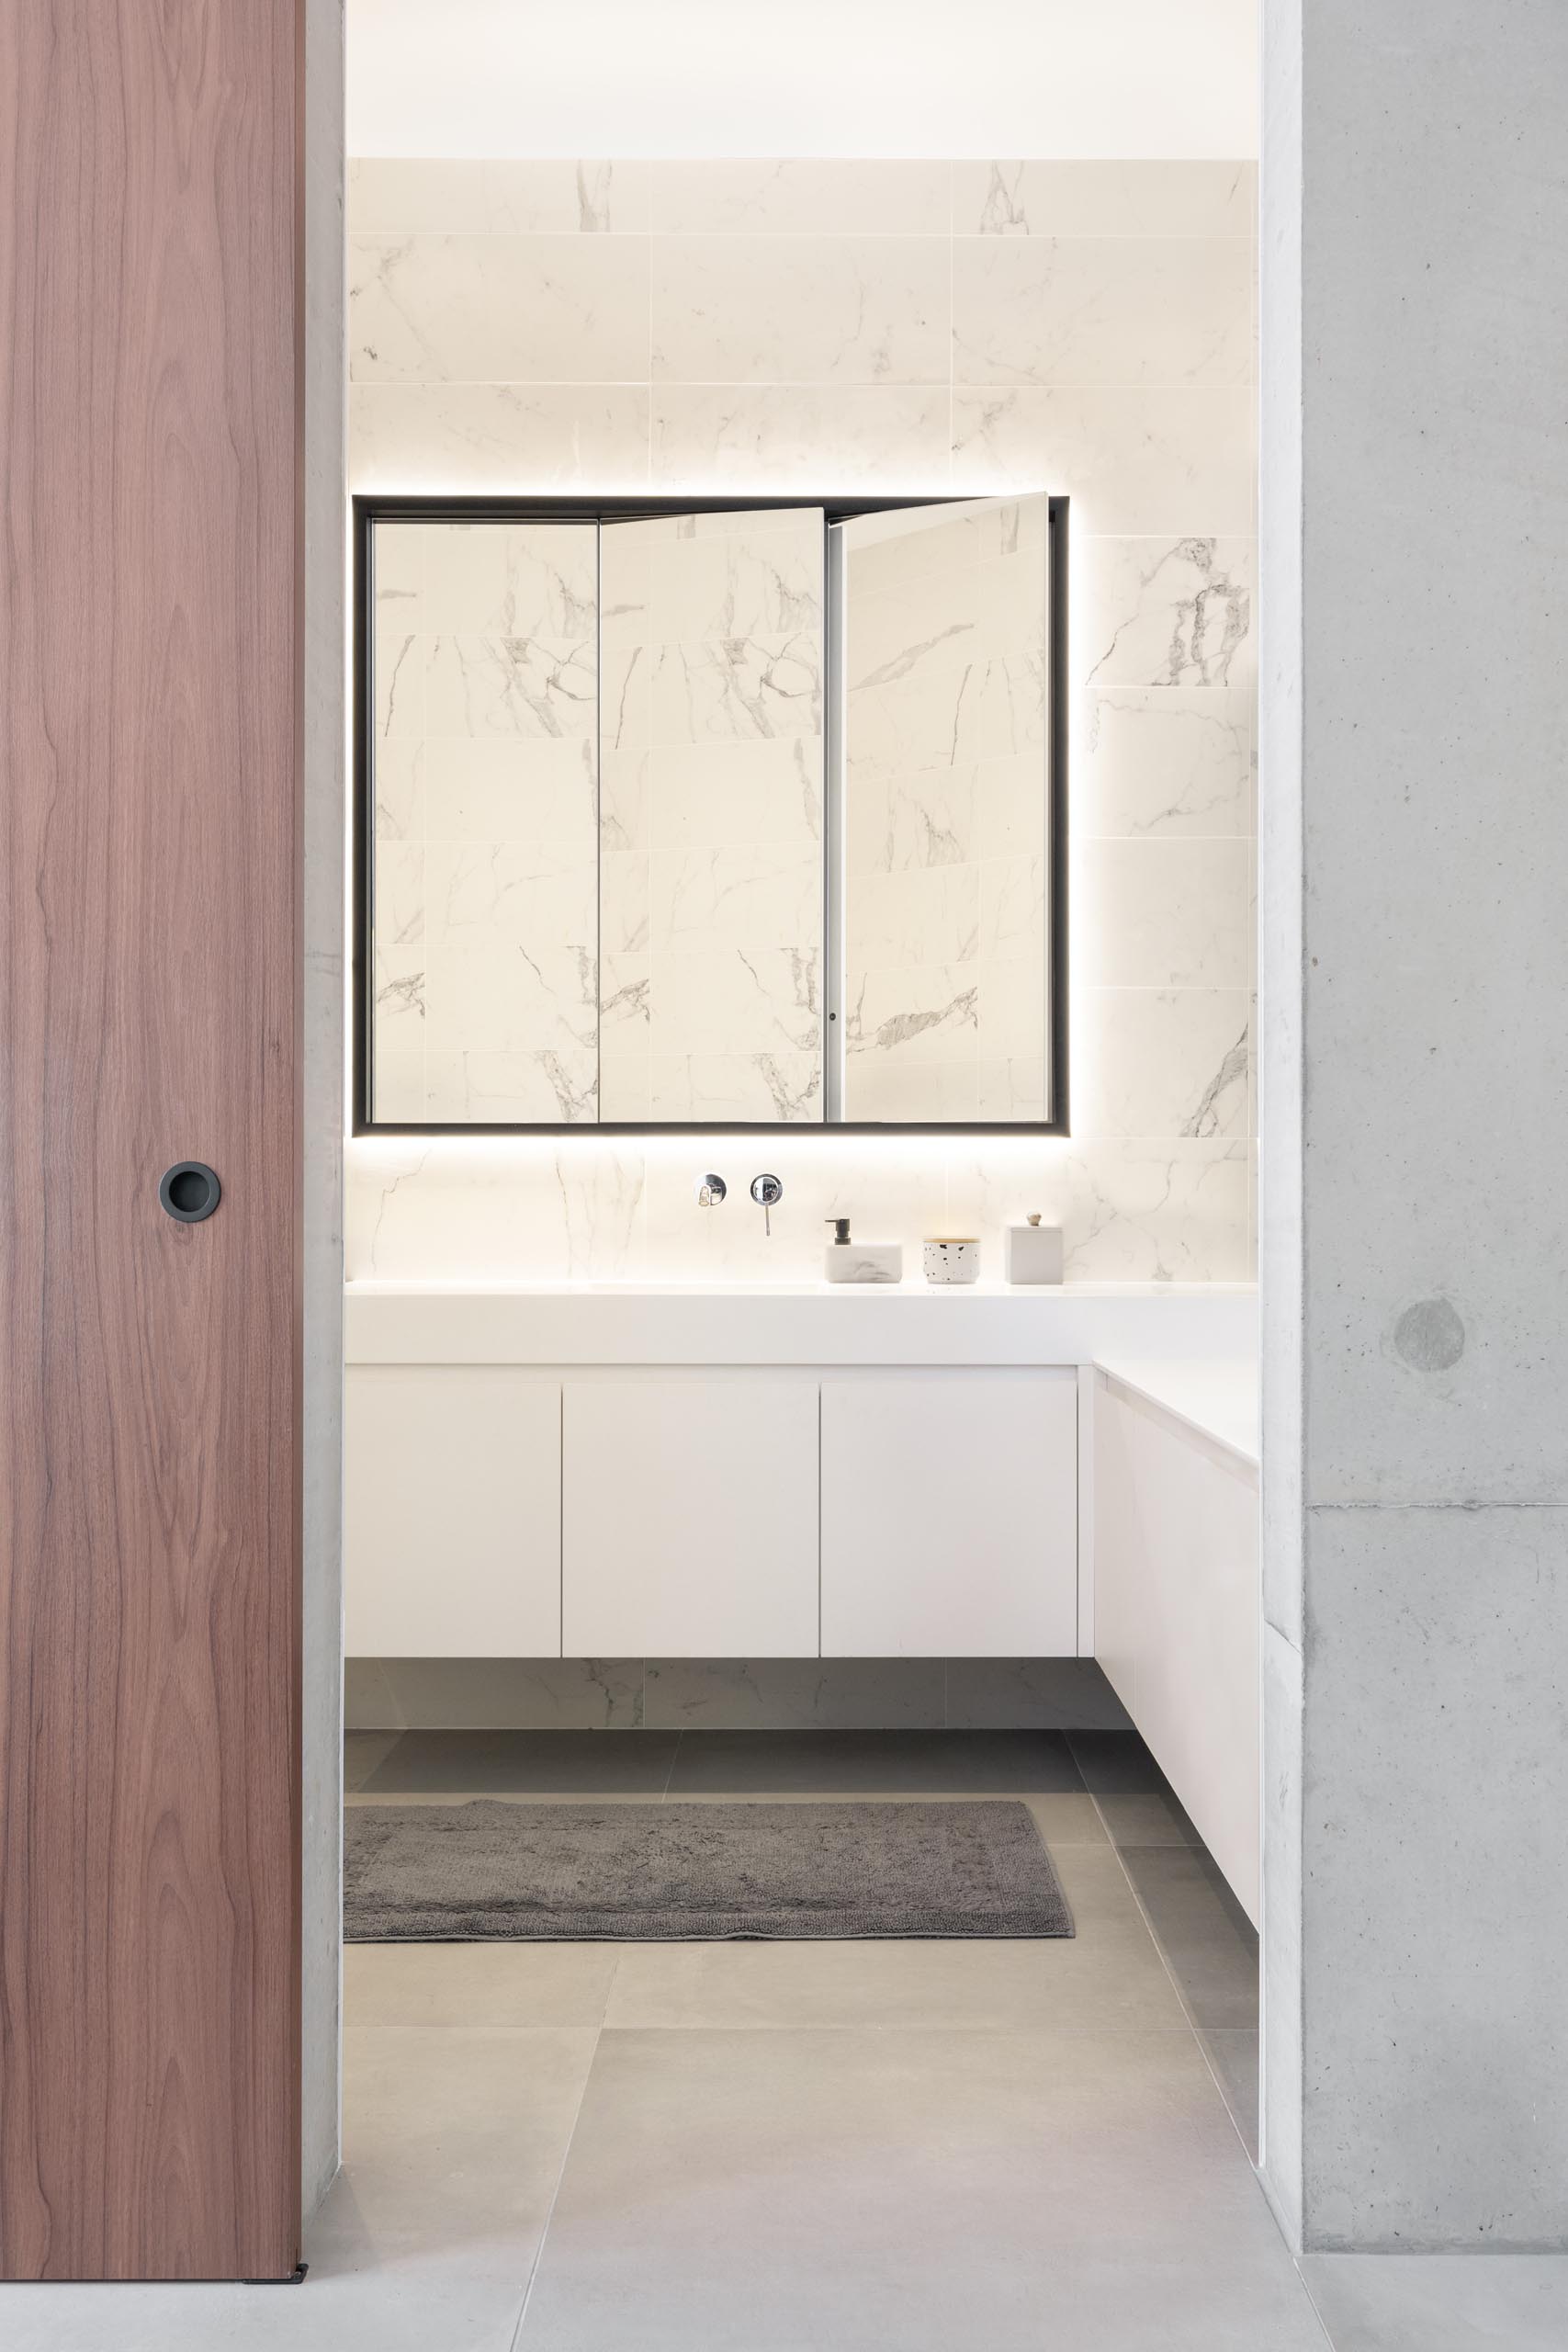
(835, 327)
(730, 1694)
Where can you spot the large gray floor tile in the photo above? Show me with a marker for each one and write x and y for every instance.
(454, 2146)
(525, 1763)
(1441, 2302)
(475, 1985)
(453, 2143)
(857, 2191)
(948, 1763)
(386, 2311)
(1067, 1819)
(1233, 2053)
(1205, 1935)
(1107, 1974)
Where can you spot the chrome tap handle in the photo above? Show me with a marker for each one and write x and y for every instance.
(767, 1191)
(711, 1190)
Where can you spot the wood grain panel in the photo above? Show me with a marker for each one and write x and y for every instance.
(150, 1439)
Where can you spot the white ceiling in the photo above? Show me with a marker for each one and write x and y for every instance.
(803, 77)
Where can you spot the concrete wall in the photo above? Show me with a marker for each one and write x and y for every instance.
(1415, 1119)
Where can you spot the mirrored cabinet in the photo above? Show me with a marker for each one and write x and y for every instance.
(711, 816)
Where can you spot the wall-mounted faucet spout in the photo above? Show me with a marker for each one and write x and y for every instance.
(767, 1191)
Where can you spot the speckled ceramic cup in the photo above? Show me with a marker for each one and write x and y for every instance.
(952, 1261)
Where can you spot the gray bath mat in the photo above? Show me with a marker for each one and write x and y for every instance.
(489, 1870)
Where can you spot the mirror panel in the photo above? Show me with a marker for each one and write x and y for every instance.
(711, 752)
(485, 847)
(946, 816)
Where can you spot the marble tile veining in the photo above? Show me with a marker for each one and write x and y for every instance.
(434, 309)
(504, 197)
(799, 194)
(800, 310)
(591, 439)
(1132, 458)
(1162, 914)
(1103, 311)
(1166, 613)
(1162, 760)
(795, 437)
(1042, 198)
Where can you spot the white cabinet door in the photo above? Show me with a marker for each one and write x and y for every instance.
(1123, 1567)
(452, 1511)
(1176, 1616)
(689, 1519)
(950, 1515)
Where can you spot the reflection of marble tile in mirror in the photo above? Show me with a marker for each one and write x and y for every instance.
(947, 817)
(710, 760)
(485, 852)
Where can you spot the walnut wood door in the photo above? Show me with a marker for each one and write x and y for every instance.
(150, 1437)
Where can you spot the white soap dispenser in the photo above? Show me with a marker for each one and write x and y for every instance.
(844, 1260)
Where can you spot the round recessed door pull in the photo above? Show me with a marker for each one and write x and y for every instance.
(190, 1191)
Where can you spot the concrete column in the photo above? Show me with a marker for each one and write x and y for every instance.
(1415, 1120)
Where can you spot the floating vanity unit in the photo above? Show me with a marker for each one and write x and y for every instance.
(841, 1471)
(824, 1470)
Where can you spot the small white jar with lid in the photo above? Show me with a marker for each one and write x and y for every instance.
(952, 1261)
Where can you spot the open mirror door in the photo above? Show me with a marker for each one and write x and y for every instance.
(945, 820)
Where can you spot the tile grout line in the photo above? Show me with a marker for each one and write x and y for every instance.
(1311, 2301)
(560, 2176)
(1193, 2026)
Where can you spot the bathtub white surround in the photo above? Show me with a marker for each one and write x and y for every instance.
(905, 327)
(1176, 1602)
(1215, 1398)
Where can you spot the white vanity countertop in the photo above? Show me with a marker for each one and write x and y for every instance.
(1216, 1396)
(796, 1323)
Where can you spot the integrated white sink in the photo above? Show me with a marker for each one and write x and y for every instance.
(796, 1323)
